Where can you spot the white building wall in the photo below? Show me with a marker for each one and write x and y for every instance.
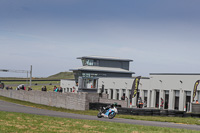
(117, 84)
(68, 85)
(156, 82)
(172, 82)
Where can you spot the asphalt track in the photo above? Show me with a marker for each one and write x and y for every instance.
(12, 107)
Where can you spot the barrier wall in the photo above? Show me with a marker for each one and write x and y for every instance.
(76, 101)
(195, 107)
(96, 98)
(146, 112)
(123, 103)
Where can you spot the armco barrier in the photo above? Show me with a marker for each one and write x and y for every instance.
(147, 111)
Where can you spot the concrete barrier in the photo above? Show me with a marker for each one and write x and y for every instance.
(69, 100)
(123, 103)
(76, 101)
(195, 108)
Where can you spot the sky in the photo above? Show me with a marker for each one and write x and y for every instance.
(159, 36)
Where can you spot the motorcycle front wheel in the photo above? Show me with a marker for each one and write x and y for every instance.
(111, 115)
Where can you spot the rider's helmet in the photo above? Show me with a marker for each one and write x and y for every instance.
(115, 104)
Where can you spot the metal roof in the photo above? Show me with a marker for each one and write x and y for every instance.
(174, 73)
(103, 58)
(102, 69)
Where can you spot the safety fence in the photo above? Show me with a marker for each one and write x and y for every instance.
(146, 111)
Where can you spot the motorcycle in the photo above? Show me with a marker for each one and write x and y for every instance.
(110, 112)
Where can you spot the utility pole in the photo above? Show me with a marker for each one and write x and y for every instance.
(20, 71)
(30, 75)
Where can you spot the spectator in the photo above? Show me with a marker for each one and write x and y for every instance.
(140, 103)
(60, 89)
(44, 88)
(29, 88)
(23, 87)
(145, 103)
(20, 87)
(162, 103)
(54, 88)
(7, 87)
(1, 85)
(123, 98)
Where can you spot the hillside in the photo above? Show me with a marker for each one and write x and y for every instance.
(62, 75)
(58, 76)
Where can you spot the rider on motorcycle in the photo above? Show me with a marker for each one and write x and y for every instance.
(109, 106)
(108, 111)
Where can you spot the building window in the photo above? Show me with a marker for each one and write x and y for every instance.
(96, 63)
(90, 83)
(90, 62)
(93, 75)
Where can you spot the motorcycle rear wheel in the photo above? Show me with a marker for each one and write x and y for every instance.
(99, 115)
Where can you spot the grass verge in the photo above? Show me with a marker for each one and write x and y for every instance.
(188, 120)
(36, 85)
(20, 122)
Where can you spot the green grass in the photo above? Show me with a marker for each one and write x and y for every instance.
(39, 85)
(49, 87)
(33, 82)
(182, 120)
(20, 123)
(58, 76)
(188, 120)
(62, 75)
(13, 83)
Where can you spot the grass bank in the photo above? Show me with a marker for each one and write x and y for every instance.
(188, 120)
(19, 122)
(36, 85)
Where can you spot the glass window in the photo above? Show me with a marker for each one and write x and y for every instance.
(96, 62)
(87, 75)
(90, 83)
(90, 62)
(83, 62)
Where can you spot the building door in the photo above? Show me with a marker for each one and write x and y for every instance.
(198, 95)
(149, 104)
(188, 100)
(94, 83)
(117, 94)
(137, 98)
(176, 102)
(145, 98)
(111, 91)
(157, 99)
(166, 100)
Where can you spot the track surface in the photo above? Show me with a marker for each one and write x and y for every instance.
(12, 107)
